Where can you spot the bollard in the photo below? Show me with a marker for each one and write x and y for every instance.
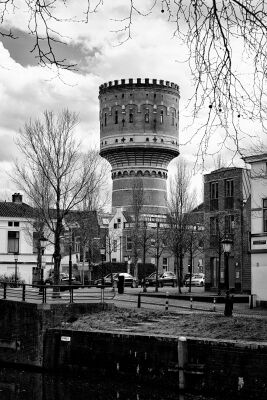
(214, 303)
(191, 303)
(182, 360)
(139, 300)
(167, 301)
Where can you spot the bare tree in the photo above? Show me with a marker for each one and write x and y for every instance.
(216, 33)
(180, 203)
(138, 201)
(55, 176)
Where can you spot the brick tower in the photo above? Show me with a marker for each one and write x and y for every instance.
(139, 123)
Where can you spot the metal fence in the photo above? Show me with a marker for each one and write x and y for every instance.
(55, 293)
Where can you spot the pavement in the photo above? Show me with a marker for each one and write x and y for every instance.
(198, 301)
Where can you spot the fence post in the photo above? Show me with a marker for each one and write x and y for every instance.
(23, 292)
(5, 287)
(191, 303)
(139, 300)
(167, 301)
(71, 295)
(44, 294)
(182, 360)
(214, 303)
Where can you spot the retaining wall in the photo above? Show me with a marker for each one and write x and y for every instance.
(212, 366)
(22, 327)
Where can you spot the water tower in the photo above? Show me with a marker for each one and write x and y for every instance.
(139, 125)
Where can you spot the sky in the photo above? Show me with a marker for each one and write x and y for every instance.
(28, 89)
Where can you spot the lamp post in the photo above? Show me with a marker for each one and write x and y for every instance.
(42, 243)
(227, 245)
(102, 252)
(16, 267)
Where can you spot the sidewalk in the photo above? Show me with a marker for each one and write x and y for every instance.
(196, 301)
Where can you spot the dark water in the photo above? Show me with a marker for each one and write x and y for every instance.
(25, 385)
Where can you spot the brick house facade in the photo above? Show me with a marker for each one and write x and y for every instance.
(227, 215)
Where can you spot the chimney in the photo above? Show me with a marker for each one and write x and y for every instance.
(16, 198)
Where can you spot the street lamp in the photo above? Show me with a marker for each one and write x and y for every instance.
(16, 267)
(227, 245)
(102, 252)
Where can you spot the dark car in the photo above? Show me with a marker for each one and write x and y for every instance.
(164, 279)
(63, 281)
(129, 280)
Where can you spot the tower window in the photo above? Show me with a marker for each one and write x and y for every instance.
(116, 117)
(155, 95)
(122, 96)
(131, 116)
(105, 119)
(161, 116)
(173, 115)
(147, 139)
(147, 115)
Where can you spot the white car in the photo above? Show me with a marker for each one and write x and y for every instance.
(196, 280)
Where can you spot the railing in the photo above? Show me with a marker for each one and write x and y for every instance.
(55, 293)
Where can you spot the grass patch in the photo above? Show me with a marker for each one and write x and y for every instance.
(212, 326)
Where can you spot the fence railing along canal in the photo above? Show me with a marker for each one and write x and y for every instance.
(55, 293)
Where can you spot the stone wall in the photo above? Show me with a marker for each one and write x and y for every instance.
(22, 327)
(211, 366)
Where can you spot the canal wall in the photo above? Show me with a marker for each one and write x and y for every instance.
(23, 325)
(210, 366)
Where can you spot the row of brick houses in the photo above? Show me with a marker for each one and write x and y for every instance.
(225, 212)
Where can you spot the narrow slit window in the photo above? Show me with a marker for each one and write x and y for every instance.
(147, 115)
(105, 119)
(161, 116)
(116, 117)
(131, 116)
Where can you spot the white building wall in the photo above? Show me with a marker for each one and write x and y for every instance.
(259, 237)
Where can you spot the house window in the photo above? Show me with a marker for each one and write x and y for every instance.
(214, 230)
(13, 242)
(229, 193)
(165, 263)
(10, 223)
(116, 117)
(147, 115)
(229, 223)
(131, 116)
(16, 223)
(265, 215)
(161, 116)
(35, 240)
(213, 196)
(214, 225)
(129, 243)
(115, 246)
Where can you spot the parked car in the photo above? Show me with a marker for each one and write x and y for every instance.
(165, 278)
(186, 276)
(63, 280)
(151, 279)
(129, 280)
(197, 280)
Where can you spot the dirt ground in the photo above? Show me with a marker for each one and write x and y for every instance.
(166, 323)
